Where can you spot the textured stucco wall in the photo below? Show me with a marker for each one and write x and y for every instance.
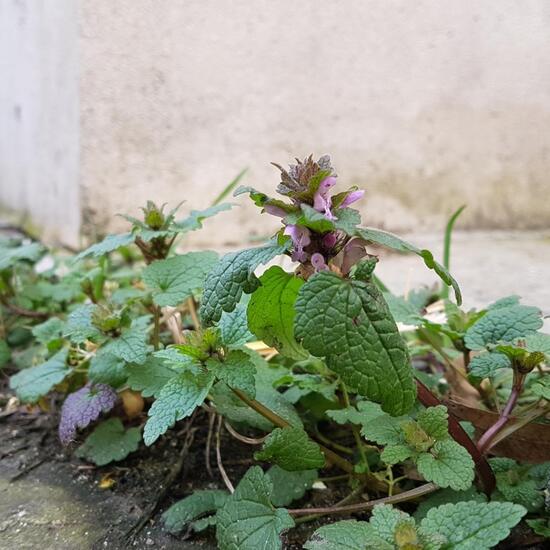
(39, 118)
(426, 104)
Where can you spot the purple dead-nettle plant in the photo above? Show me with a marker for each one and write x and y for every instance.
(84, 407)
(318, 222)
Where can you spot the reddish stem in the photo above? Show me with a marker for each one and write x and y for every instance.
(485, 441)
(484, 471)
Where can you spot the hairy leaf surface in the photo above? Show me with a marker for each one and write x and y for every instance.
(349, 324)
(291, 449)
(174, 279)
(190, 508)
(231, 276)
(271, 311)
(179, 397)
(473, 525)
(503, 324)
(448, 464)
(289, 486)
(109, 442)
(32, 383)
(248, 520)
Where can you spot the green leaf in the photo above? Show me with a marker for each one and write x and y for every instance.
(448, 464)
(505, 302)
(540, 526)
(473, 525)
(310, 218)
(5, 353)
(79, 326)
(541, 387)
(248, 521)
(131, 346)
(109, 244)
(110, 442)
(289, 486)
(402, 310)
(9, 255)
(503, 324)
(237, 371)
(516, 483)
(538, 342)
(231, 276)
(393, 454)
(376, 425)
(105, 368)
(196, 217)
(345, 535)
(486, 365)
(385, 520)
(271, 312)
(349, 324)
(174, 279)
(447, 496)
(234, 327)
(434, 421)
(388, 240)
(347, 219)
(179, 397)
(187, 510)
(32, 383)
(49, 330)
(291, 449)
(150, 377)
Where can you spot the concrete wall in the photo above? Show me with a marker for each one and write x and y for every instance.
(39, 116)
(426, 104)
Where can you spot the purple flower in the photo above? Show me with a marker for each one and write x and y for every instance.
(318, 262)
(274, 210)
(300, 238)
(329, 240)
(352, 197)
(84, 406)
(321, 200)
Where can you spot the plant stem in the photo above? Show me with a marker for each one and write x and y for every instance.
(466, 357)
(361, 506)
(193, 312)
(518, 424)
(348, 498)
(23, 312)
(486, 440)
(156, 327)
(336, 446)
(355, 430)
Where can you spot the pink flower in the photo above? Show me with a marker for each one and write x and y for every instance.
(321, 200)
(352, 197)
(318, 261)
(300, 238)
(329, 240)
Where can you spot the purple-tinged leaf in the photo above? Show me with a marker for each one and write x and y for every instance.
(83, 407)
